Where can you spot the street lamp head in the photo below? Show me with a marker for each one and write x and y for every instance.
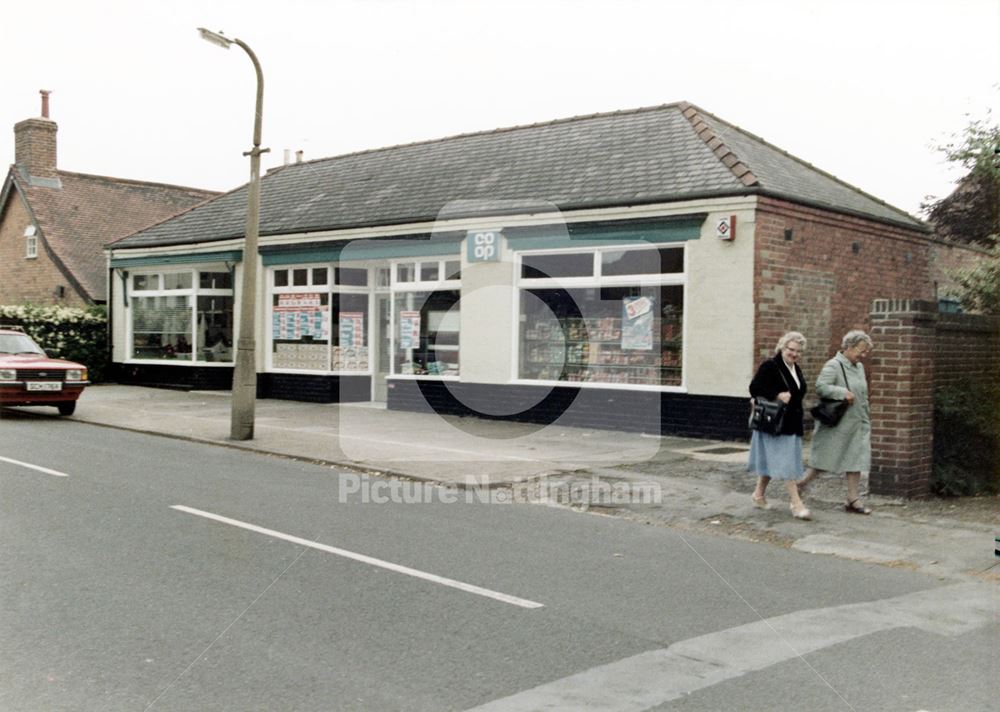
(216, 38)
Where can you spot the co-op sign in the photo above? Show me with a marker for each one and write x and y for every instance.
(483, 245)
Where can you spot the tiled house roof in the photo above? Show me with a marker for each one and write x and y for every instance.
(660, 154)
(82, 214)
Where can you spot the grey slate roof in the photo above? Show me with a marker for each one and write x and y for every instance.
(658, 154)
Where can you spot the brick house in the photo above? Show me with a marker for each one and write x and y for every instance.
(625, 270)
(54, 223)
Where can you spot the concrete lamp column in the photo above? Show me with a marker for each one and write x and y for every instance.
(245, 374)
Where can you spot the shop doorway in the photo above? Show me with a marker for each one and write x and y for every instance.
(383, 347)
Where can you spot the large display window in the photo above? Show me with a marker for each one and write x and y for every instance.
(182, 315)
(602, 316)
(319, 319)
(426, 316)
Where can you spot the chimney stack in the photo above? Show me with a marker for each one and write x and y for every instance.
(35, 143)
(298, 156)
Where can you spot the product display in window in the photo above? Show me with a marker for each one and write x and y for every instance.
(427, 332)
(300, 330)
(629, 335)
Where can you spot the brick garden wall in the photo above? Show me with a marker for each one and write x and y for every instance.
(917, 351)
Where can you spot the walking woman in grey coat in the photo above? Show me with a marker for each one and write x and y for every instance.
(847, 446)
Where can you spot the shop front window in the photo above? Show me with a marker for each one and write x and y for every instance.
(300, 329)
(161, 327)
(622, 326)
(215, 328)
(426, 333)
(182, 316)
(350, 350)
(319, 319)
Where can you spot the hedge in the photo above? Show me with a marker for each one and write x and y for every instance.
(64, 332)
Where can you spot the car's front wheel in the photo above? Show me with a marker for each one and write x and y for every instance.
(66, 408)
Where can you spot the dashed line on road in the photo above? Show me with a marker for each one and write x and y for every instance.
(46, 470)
(416, 573)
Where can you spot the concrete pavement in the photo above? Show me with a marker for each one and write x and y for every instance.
(679, 482)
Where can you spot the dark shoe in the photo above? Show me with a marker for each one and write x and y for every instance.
(855, 507)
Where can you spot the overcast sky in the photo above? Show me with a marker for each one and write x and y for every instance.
(862, 89)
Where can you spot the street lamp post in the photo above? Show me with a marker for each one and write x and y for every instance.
(245, 373)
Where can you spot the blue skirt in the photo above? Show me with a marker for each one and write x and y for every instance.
(777, 456)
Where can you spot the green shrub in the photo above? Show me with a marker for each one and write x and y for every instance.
(967, 439)
(64, 332)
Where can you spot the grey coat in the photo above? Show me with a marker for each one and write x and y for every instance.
(846, 447)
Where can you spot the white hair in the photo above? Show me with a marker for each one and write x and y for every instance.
(790, 336)
(855, 337)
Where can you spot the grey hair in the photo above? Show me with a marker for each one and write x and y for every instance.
(790, 336)
(855, 337)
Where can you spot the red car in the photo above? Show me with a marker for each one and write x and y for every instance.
(29, 377)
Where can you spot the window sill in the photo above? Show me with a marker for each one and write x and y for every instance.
(600, 384)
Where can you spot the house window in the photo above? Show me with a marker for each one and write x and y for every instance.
(30, 243)
(425, 314)
(183, 315)
(602, 316)
(319, 319)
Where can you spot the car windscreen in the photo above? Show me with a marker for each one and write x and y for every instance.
(18, 344)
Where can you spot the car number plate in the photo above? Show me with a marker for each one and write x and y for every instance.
(44, 386)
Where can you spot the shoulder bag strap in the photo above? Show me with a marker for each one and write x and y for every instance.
(847, 383)
(784, 378)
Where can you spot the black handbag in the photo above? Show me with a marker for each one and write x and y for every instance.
(829, 411)
(767, 416)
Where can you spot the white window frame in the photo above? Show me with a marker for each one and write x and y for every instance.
(329, 289)
(30, 243)
(193, 292)
(441, 284)
(596, 281)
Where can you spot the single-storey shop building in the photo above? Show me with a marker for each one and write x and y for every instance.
(625, 270)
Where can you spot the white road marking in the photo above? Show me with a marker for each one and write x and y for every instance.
(468, 588)
(655, 677)
(46, 470)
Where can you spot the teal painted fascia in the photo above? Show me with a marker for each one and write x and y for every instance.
(598, 234)
(167, 260)
(359, 250)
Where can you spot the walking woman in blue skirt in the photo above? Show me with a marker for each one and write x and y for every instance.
(779, 457)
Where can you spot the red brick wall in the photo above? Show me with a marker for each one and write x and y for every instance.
(947, 259)
(966, 348)
(902, 397)
(817, 284)
(920, 350)
(24, 280)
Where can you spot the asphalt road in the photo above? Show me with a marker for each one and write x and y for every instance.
(144, 573)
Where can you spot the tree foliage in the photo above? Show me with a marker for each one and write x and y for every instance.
(971, 214)
(65, 332)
